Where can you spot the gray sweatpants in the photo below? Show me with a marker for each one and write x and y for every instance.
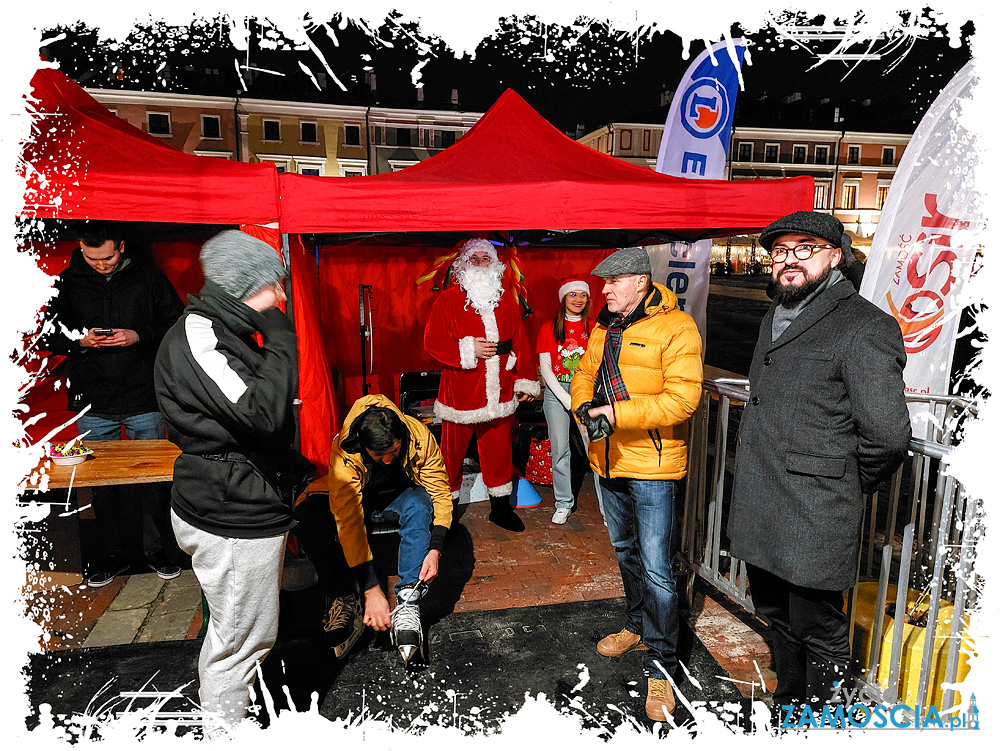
(240, 579)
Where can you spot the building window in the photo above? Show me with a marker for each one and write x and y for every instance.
(272, 130)
(822, 155)
(447, 139)
(854, 155)
(798, 154)
(309, 165)
(881, 193)
(850, 199)
(397, 164)
(281, 162)
(771, 152)
(819, 196)
(352, 167)
(211, 126)
(404, 137)
(307, 133)
(888, 155)
(745, 151)
(158, 123)
(352, 135)
(626, 139)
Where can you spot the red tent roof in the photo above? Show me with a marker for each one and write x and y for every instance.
(85, 163)
(515, 171)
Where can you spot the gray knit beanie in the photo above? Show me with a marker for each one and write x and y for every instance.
(241, 264)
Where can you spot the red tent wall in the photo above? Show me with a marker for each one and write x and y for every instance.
(401, 307)
(318, 421)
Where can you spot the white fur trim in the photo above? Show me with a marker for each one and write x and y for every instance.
(511, 361)
(501, 490)
(475, 416)
(577, 285)
(527, 386)
(467, 352)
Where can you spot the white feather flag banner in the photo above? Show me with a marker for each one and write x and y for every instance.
(925, 243)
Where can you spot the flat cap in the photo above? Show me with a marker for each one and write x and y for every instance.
(624, 262)
(812, 223)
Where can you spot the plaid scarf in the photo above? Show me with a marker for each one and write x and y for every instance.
(609, 386)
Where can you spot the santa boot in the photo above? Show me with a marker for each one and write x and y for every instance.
(502, 514)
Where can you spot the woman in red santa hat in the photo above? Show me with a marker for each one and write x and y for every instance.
(561, 343)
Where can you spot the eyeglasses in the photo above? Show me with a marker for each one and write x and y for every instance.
(577, 294)
(803, 252)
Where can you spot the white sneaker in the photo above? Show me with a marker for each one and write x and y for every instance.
(561, 515)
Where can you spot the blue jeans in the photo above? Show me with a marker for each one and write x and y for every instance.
(145, 427)
(415, 516)
(640, 516)
(110, 504)
(560, 423)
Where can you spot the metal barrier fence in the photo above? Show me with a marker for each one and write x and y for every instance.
(917, 550)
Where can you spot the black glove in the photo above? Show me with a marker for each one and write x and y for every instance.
(598, 428)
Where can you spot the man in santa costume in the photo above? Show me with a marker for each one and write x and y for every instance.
(475, 331)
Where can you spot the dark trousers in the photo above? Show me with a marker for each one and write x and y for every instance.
(809, 632)
(113, 504)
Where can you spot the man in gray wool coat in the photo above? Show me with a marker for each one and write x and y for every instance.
(824, 424)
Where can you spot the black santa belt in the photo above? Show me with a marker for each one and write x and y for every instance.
(504, 347)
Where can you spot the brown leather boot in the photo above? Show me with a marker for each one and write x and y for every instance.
(615, 645)
(659, 699)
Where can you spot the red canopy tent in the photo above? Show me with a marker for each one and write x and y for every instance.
(515, 175)
(85, 163)
(514, 171)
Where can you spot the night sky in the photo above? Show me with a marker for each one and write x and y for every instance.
(584, 74)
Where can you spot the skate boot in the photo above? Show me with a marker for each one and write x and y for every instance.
(407, 633)
(343, 623)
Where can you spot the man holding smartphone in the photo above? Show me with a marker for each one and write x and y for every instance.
(108, 316)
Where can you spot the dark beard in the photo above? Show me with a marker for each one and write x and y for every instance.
(789, 295)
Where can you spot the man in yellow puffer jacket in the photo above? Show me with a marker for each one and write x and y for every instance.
(385, 467)
(641, 377)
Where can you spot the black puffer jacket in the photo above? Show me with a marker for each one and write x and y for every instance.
(225, 399)
(116, 381)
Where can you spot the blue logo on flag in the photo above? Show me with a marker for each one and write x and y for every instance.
(704, 108)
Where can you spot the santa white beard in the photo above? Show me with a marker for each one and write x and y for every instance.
(482, 286)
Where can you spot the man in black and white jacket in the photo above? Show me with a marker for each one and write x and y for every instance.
(226, 398)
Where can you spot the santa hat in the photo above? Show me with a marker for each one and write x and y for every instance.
(477, 244)
(573, 284)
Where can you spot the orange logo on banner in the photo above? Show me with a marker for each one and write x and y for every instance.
(921, 315)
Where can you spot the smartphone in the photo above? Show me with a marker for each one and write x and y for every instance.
(104, 332)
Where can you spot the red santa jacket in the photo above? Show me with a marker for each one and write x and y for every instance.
(475, 390)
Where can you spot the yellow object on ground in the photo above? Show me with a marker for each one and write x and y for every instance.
(913, 644)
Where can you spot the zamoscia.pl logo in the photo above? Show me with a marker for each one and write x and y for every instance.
(897, 716)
